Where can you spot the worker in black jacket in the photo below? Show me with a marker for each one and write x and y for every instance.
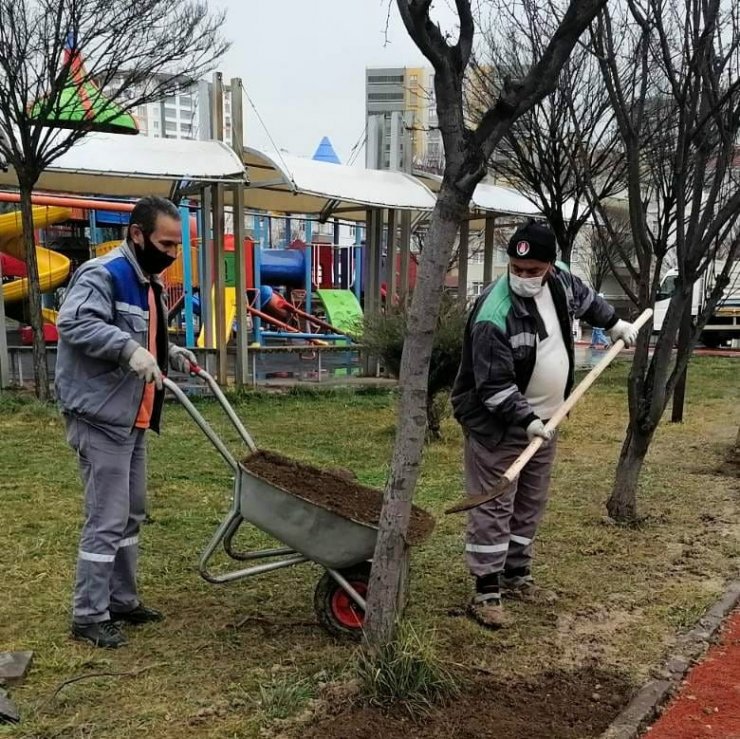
(517, 367)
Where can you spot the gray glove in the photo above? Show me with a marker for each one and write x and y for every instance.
(624, 331)
(537, 428)
(145, 366)
(181, 359)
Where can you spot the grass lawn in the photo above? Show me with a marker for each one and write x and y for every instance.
(625, 594)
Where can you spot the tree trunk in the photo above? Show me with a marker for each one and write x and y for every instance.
(622, 504)
(40, 368)
(390, 562)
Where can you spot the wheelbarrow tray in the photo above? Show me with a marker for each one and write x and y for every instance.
(323, 536)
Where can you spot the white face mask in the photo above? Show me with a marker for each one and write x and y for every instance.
(526, 287)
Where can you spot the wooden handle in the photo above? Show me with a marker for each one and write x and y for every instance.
(572, 399)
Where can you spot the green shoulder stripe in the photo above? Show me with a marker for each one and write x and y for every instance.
(563, 266)
(497, 305)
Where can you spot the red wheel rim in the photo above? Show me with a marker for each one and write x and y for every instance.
(345, 610)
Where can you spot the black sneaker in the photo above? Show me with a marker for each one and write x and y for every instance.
(105, 634)
(139, 615)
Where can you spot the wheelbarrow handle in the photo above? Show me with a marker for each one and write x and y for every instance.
(198, 371)
(201, 423)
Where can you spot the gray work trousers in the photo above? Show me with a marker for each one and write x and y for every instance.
(500, 533)
(114, 475)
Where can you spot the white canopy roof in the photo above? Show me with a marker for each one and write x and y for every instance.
(132, 166)
(488, 198)
(502, 200)
(290, 184)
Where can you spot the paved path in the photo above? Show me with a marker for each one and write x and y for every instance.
(708, 704)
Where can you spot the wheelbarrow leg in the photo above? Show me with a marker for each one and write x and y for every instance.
(246, 556)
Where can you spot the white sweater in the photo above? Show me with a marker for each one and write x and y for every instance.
(546, 389)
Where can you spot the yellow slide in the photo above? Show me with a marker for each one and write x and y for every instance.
(53, 266)
(230, 309)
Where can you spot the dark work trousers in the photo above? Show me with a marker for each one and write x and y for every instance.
(500, 533)
(114, 476)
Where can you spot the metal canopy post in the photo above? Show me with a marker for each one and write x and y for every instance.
(206, 272)
(242, 333)
(403, 278)
(377, 254)
(462, 262)
(242, 330)
(187, 275)
(370, 278)
(359, 257)
(220, 283)
(4, 358)
(367, 259)
(488, 249)
(390, 265)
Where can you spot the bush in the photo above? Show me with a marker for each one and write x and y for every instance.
(383, 336)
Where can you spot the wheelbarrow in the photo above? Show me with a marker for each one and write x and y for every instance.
(308, 532)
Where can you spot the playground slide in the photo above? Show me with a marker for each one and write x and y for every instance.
(53, 271)
(343, 310)
(53, 266)
(11, 227)
(230, 308)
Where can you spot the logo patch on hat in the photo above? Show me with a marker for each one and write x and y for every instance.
(522, 248)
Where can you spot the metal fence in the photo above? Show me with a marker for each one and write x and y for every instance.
(266, 365)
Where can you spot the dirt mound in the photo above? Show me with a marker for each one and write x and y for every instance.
(334, 490)
(554, 705)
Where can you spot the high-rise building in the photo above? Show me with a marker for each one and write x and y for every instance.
(183, 115)
(400, 114)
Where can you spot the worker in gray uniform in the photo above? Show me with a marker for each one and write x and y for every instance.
(113, 351)
(517, 368)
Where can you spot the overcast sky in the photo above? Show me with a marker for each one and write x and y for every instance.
(303, 66)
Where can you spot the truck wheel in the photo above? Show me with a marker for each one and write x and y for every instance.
(711, 339)
(336, 611)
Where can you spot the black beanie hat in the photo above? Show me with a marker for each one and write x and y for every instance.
(533, 241)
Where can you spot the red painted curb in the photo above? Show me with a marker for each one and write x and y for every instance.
(708, 704)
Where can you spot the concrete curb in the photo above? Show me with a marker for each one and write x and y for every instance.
(647, 704)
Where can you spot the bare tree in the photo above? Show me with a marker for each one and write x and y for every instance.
(538, 151)
(467, 152)
(419, 240)
(601, 258)
(136, 52)
(673, 77)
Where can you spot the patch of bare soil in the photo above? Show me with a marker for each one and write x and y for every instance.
(576, 704)
(335, 491)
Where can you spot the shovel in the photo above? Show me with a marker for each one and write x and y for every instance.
(473, 501)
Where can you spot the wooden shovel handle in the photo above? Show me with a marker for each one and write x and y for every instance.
(572, 399)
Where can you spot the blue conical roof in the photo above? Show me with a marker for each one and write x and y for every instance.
(325, 152)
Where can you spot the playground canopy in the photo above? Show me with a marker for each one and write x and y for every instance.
(489, 199)
(131, 166)
(289, 184)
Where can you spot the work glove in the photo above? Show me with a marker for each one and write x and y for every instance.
(145, 366)
(181, 359)
(624, 331)
(537, 428)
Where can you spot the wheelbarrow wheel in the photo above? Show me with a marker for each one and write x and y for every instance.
(336, 610)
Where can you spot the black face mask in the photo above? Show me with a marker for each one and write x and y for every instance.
(150, 259)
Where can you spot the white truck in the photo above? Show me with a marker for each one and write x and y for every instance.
(724, 323)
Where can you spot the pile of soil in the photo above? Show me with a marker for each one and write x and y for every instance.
(334, 490)
(576, 704)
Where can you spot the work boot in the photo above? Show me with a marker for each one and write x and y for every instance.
(486, 609)
(520, 585)
(137, 616)
(104, 634)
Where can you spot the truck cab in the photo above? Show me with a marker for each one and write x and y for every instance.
(724, 323)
